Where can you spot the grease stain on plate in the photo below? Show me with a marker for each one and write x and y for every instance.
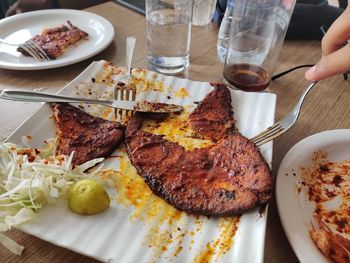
(168, 228)
(327, 185)
(182, 93)
(176, 129)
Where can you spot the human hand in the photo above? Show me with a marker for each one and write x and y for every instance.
(335, 50)
(21, 6)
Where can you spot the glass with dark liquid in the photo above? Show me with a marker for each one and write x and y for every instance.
(257, 33)
(247, 77)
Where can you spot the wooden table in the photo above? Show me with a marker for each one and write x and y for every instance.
(326, 108)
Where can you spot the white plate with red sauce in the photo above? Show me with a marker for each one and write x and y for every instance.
(20, 28)
(133, 231)
(293, 201)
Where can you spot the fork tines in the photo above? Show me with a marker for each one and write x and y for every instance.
(268, 134)
(285, 123)
(124, 91)
(34, 50)
(30, 48)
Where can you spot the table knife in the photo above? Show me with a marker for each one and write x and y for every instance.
(141, 106)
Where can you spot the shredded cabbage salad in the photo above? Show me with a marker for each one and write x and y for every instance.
(31, 178)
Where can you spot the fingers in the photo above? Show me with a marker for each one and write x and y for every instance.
(335, 50)
(288, 4)
(335, 63)
(13, 9)
(21, 6)
(337, 34)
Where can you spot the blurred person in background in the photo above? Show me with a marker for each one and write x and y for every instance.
(13, 7)
(308, 16)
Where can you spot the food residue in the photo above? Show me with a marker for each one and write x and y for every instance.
(327, 184)
(176, 129)
(182, 93)
(168, 228)
(144, 84)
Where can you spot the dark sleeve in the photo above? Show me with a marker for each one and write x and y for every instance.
(55, 4)
(219, 11)
(309, 16)
(4, 5)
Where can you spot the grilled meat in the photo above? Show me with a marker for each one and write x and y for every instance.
(54, 41)
(214, 117)
(227, 178)
(90, 137)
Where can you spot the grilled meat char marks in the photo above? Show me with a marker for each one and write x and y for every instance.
(90, 137)
(55, 40)
(214, 117)
(227, 178)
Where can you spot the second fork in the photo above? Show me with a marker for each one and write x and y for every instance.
(31, 48)
(284, 124)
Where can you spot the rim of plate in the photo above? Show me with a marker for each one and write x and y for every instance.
(291, 214)
(57, 63)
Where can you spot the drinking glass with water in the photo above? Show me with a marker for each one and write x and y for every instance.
(203, 11)
(168, 34)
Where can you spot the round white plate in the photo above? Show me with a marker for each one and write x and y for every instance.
(19, 28)
(294, 209)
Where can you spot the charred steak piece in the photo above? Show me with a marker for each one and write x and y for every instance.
(90, 137)
(227, 178)
(55, 40)
(213, 117)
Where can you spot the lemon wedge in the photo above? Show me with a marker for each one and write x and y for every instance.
(88, 197)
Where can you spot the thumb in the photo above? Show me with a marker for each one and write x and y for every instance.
(330, 65)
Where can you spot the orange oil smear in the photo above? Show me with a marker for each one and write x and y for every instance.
(106, 113)
(167, 226)
(176, 129)
(118, 70)
(182, 93)
(150, 83)
(141, 73)
(220, 246)
(168, 231)
(207, 254)
(144, 85)
(105, 76)
(107, 173)
(178, 250)
(199, 224)
(163, 220)
(228, 228)
(327, 184)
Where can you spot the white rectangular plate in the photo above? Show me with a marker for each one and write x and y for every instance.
(117, 235)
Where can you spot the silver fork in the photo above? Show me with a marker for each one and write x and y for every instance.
(31, 48)
(284, 124)
(124, 92)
